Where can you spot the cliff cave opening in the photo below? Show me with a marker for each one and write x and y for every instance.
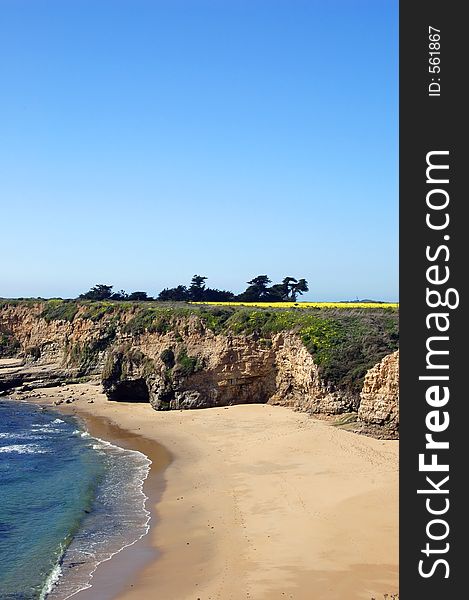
(135, 390)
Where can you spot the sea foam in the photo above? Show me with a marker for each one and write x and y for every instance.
(23, 449)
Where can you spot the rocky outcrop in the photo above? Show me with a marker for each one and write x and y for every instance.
(183, 363)
(298, 382)
(379, 398)
(194, 370)
(60, 342)
(209, 370)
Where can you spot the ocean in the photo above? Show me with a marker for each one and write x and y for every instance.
(68, 502)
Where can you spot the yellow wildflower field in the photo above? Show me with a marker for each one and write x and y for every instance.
(306, 304)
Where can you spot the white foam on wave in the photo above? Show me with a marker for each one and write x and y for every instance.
(23, 449)
(47, 425)
(20, 436)
(46, 429)
(142, 472)
(51, 581)
(81, 433)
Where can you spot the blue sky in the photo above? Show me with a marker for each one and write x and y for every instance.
(145, 141)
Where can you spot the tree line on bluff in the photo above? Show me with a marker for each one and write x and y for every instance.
(258, 290)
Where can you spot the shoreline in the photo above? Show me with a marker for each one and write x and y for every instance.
(111, 576)
(255, 502)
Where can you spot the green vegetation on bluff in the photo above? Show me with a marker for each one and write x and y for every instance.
(345, 343)
(9, 346)
(57, 310)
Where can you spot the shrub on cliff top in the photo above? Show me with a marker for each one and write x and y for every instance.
(95, 311)
(151, 320)
(345, 348)
(216, 318)
(142, 321)
(59, 310)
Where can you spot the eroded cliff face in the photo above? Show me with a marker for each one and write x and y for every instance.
(56, 342)
(187, 365)
(379, 398)
(202, 369)
(192, 368)
(298, 381)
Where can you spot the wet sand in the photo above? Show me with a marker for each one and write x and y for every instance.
(112, 577)
(250, 502)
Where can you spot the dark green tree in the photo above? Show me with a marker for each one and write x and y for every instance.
(120, 295)
(257, 290)
(288, 283)
(139, 296)
(300, 287)
(281, 292)
(177, 294)
(260, 282)
(214, 295)
(98, 292)
(197, 288)
(288, 290)
(278, 293)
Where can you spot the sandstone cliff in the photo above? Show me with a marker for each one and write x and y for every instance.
(181, 358)
(379, 398)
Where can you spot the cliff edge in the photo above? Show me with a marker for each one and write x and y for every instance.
(180, 357)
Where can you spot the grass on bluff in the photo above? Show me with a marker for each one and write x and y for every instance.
(59, 310)
(345, 339)
(344, 343)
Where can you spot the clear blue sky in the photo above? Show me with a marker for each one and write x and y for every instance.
(145, 141)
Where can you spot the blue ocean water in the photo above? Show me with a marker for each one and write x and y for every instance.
(67, 502)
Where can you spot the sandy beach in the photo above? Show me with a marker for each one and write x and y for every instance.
(251, 501)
